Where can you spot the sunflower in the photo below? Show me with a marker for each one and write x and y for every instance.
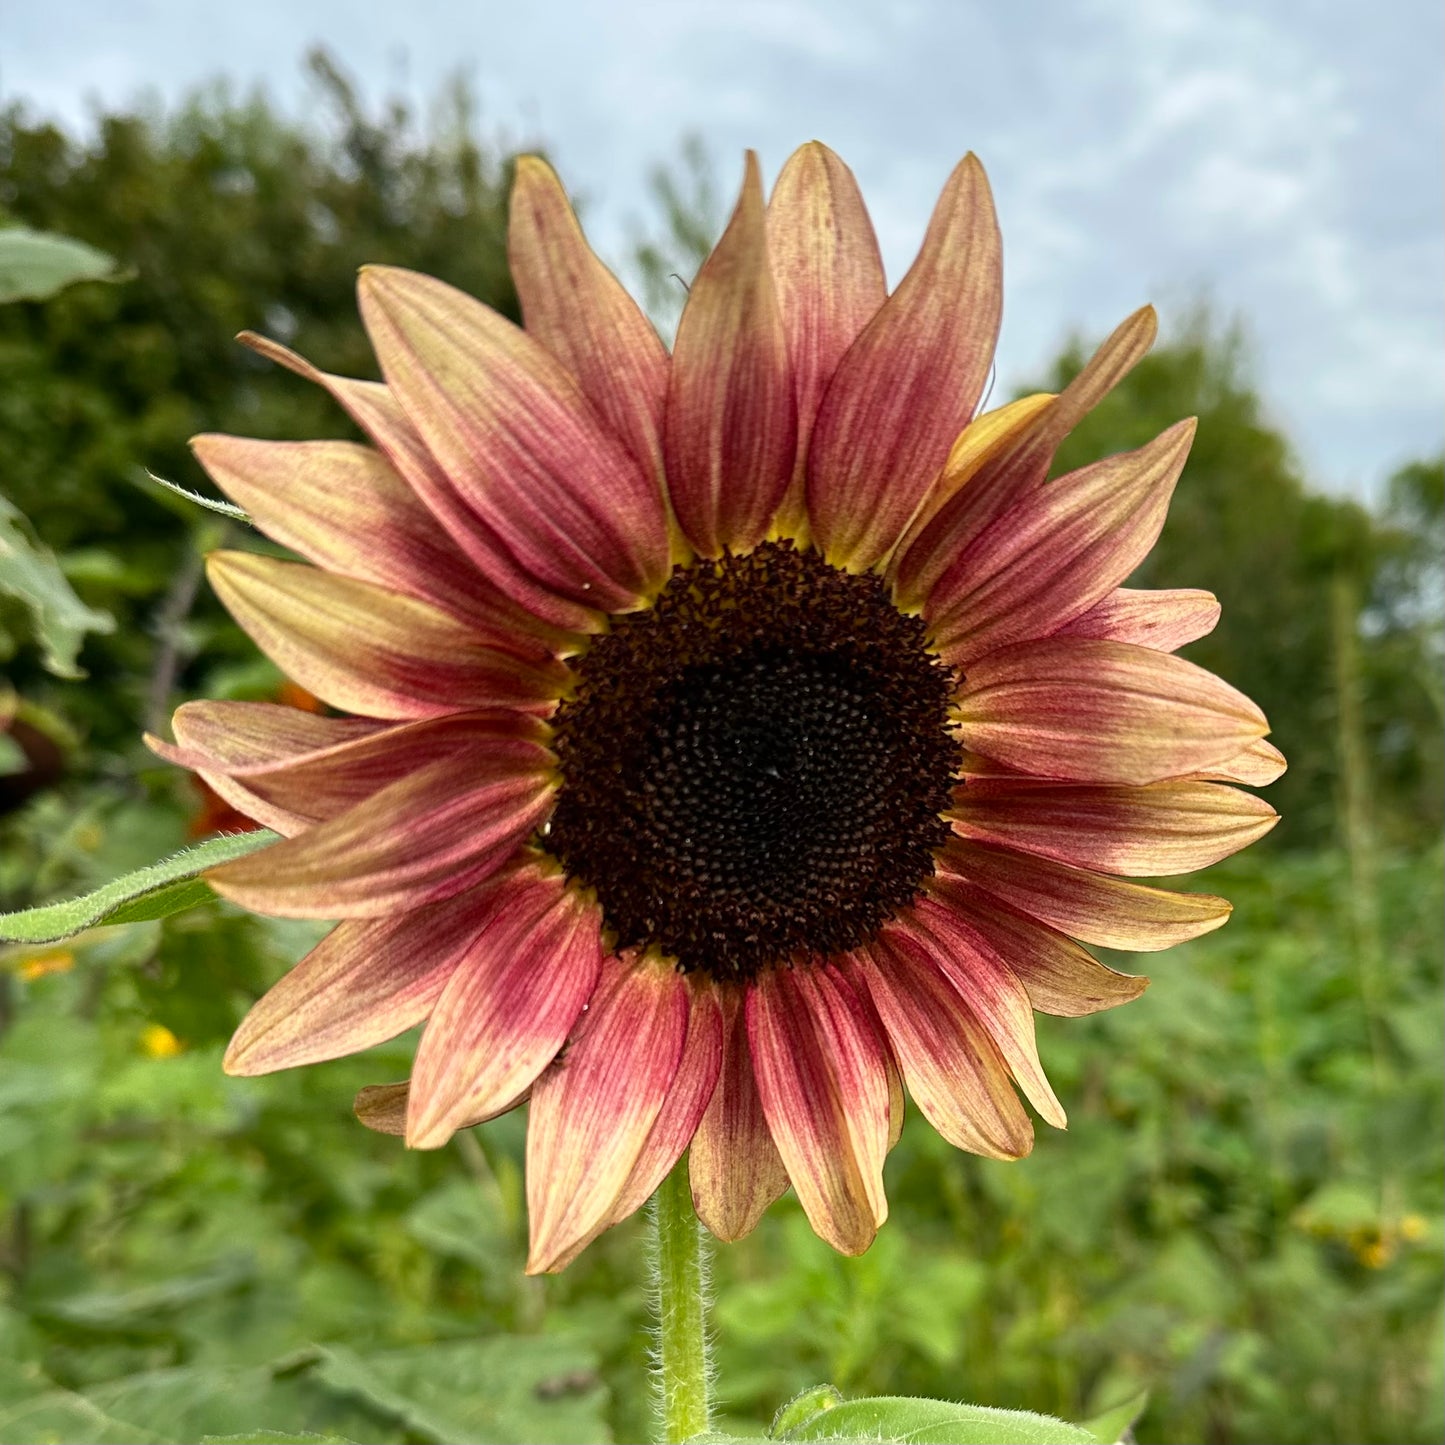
(725, 741)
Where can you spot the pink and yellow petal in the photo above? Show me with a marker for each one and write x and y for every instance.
(830, 283)
(1256, 766)
(1145, 832)
(345, 508)
(686, 1102)
(1060, 976)
(540, 610)
(367, 981)
(327, 780)
(819, 1066)
(731, 433)
(583, 315)
(1010, 471)
(518, 441)
(909, 384)
(966, 957)
(983, 439)
(383, 1108)
(950, 1063)
(734, 1166)
(594, 1109)
(1166, 619)
(509, 1005)
(367, 650)
(1082, 710)
(423, 838)
(1090, 906)
(1057, 552)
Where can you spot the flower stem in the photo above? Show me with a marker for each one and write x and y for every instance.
(680, 1282)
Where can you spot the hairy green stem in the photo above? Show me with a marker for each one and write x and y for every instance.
(680, 1299)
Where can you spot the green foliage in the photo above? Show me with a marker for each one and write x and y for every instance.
(1245, 1215)
(59, 620)
(34, 266)
(229, 216)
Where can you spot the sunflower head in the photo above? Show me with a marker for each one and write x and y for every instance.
(720, 744)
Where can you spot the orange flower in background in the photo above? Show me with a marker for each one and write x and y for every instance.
(735, 738)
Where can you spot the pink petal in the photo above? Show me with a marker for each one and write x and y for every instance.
(1058, 551)
(733, 1164)
(326, 780)
(823, 1083)
(909, 384)
(830, 283)
(241, 735)
(421, 839)
(965, 955)
(375, 410)
(583, 315)
(509, 1005)
(1085, 711)
(593, 1110)
(1085, 905)
(950, 1062)
(983, 439)
(1165, 620)
(1144, 832)
(731, 434)
(215, 737)
(686, 1102)
(1011, 471)
(383, 1107)
(367, 981)
(366, 650)
(1061, 977)
(345, 508)
(1256, 767)
(519, 442)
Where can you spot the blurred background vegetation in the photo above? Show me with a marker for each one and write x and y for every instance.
(1245, 1216)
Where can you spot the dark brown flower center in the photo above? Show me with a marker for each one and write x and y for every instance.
(755, 767)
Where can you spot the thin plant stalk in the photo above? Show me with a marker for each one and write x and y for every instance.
(681, 1296)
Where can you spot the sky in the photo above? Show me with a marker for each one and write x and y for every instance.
(1282, 161)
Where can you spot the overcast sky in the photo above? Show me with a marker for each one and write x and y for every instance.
(1282, 158)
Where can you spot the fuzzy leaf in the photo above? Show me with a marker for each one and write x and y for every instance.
(274, 1437)
(157, 891)
(1110, 1426)
(935, 1422)
(31, 573)
(503, 1389)
(211, 504)
(35, 264)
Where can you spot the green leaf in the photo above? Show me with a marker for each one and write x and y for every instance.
(935, 1422)
(502, 1389)
(35, 264)
(1109, 1426)
(157, 891)
(12, 757)
(211, 504)
(31, 573)
(803, 1408)
(132, 1308)
(275, 1437)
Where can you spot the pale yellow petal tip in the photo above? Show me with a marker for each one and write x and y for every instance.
(235, 1063)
